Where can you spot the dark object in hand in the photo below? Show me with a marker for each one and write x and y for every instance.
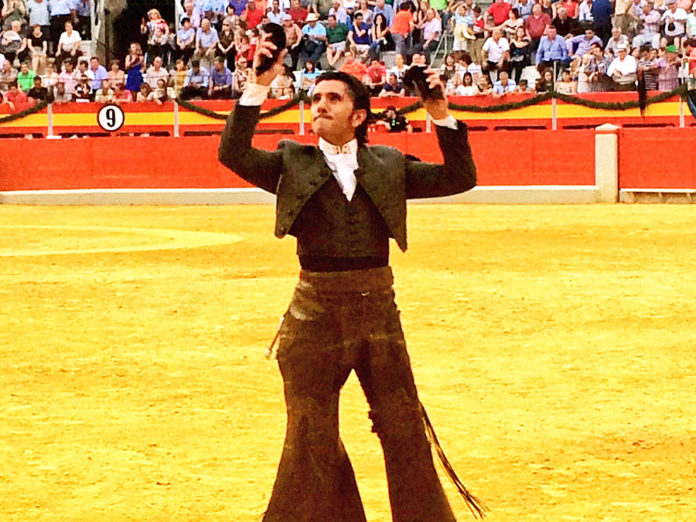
(416, 79)
(277, 37)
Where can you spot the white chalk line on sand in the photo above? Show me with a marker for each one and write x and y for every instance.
(169, 239)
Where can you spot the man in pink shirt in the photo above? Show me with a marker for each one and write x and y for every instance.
(536, 26)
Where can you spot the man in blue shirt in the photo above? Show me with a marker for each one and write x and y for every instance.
(314, 36)
(602, 11)
(552, 50)
(196, 82)
(60, 13)
(504, 85)
(385, 9)
(96, 74)
(220, 80)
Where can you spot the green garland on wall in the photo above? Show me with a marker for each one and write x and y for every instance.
(26, 112)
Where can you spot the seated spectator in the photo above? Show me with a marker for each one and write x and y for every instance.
(340, 13)
(185, 41)
(483, 86)
(536, 26)
(156, 72)
(546, 83)
(61, 96)
(336, 35)
(504, 85)
(430, 33)
(400, 66)
(275, 14)
(496, 52)
(225, 46)
(523, 87)
(206, 42)
(196, 82)
(241, 77)
(499, 10)
(83, 92)
(96, 73)
(691, 23)
(376, 76)
(359, 37)
(143, 93)
(648, 68)
(585, 71)
(649, 27)
(69, 46)
(50, 77)
(623, 70)
(450, 72)
(315, 39)
(121, 94)
(674, 19)
(252, 14)
(220, 80)
(38, 92)
(467, 87)
(161, 93)
(353, 67)
(297, 12)
(520, 48)
(394, 122)
(104, 94)
(68, 78)
(5, 105)
(309, 76)
(565, 24)
(381, 36)
(381, 7)
(552, 51)
(617, 39)
(40, 15)
(581, 44)
(393, 87)
(566, 85)
(283, 86)
(37, 46)
(12, 42)
(25, 77)
(116, 76)
(177, 77)
(18, 98)
(512, 24)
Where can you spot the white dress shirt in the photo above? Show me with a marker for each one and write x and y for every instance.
(343, 160)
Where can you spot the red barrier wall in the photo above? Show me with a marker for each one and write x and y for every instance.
(657, 158)
(502, 158)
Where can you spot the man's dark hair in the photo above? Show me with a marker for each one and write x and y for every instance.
(360, 95)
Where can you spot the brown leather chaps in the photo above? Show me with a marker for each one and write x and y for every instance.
(338, 322)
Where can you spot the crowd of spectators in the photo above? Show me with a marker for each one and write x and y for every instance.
(515, 46)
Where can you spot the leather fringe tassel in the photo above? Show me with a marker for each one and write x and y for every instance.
(476, 507)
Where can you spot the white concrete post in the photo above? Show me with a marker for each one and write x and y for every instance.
(607, 163)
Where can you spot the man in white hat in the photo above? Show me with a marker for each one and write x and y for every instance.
(623, 70)
(314, 36)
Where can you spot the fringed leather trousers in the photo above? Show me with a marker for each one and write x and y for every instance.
(338, 322)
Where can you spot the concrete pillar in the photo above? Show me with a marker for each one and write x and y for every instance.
(607, 163)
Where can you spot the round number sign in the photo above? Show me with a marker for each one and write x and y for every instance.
(110, 118)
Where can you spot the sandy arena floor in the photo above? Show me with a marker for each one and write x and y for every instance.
(554, 347)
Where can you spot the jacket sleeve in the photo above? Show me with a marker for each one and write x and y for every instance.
(457, 173)
(259, 167)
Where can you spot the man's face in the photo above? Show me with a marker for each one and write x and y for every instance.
(157, 62)
(358, 20)
(205, 24)
(392, 79)
(218, 66)
(551, 31)
(536, 10)
(94, 63)
(333, 116)
(589, 34)
(504, 77)
(276, 6)
(83, 66)
(429, 15)
(399, 60)
(332, 21)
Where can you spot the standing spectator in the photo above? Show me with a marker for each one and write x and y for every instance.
(155, 40)
(38, 92)
(585, 16)
(431, 33)
(220, 80)
(253, 14)
(82, 10)
(622, 15)
(691, 22)
(623, 70)
(353, 67)
(122, 95)
(116, 75)
(68, 78)
(336, 36)
(293, 39)
(134, 68)
(69, 45)
(496, 52)
(156, 72)
(13, 11)
(37, 44)
(40, 15)
(602, 11)
(647, 67)
(649, 27)
(60, 14)
(8, 76)
(25, 77)
(359, 37)
(50, 77)
(314, 36)
(401, 29)
(674, 19)
(96, 73)
(566, 85)
(536, 26)
(225, 46)
(196, 82)
(185, 41)
(12, 42)
(178, 76)
(206, 42)
(668, 69)
(381, 36)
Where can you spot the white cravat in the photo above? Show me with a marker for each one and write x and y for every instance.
(343, 161)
